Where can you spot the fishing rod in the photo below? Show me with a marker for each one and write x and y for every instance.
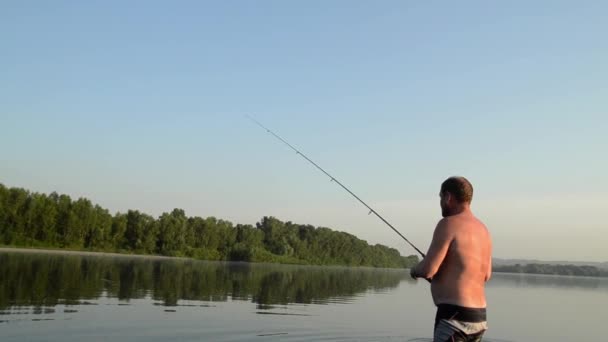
(333, 179)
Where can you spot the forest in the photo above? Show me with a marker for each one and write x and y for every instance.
(38, 220)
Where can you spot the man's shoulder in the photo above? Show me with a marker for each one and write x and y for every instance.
(446, 228)
(449, 222)
(456, 223)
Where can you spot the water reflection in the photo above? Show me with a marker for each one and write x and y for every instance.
(43, 281)
(512, 280)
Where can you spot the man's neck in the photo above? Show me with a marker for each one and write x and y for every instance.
(463, 209)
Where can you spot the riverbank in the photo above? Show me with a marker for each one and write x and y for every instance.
(85, 253)
(30, 250)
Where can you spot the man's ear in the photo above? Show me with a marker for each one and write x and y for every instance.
(448, 197)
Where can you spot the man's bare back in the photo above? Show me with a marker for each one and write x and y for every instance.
(458, 263)
(461, 277)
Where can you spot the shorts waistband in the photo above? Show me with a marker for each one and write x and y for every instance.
(460, 313)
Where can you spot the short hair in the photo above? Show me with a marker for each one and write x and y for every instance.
(459, 187)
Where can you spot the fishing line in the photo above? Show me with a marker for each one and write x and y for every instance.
(333, 179)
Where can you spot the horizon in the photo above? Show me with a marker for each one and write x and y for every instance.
(141, 106)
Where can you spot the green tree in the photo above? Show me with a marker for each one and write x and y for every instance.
(248, 242)
(172, 231)
(141, 232)
(118, 231)
(81, 218)
(275, 236)
(16, 215)
(97, 234)
(63, 203)
(44, 219)
(4, 212)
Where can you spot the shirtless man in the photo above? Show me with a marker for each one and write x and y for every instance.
(458, 263)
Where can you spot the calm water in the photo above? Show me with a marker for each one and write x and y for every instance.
(76, 298)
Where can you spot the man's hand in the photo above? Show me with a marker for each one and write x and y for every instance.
(413, 273)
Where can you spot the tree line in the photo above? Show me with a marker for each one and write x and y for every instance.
(568, 270)
(31, 219)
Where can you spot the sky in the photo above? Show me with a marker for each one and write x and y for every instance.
(142, 104)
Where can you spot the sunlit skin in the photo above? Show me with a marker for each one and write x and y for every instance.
(458, 260)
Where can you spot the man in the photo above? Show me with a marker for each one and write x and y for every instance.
(458, 263)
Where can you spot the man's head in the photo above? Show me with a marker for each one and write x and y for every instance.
(456, 193)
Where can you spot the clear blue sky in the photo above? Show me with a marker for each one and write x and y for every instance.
(140, 105)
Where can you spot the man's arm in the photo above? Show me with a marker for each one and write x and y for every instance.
(489, 274)
(489, 271)
(442, 239)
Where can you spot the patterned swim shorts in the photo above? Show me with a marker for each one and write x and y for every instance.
(455, 323)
